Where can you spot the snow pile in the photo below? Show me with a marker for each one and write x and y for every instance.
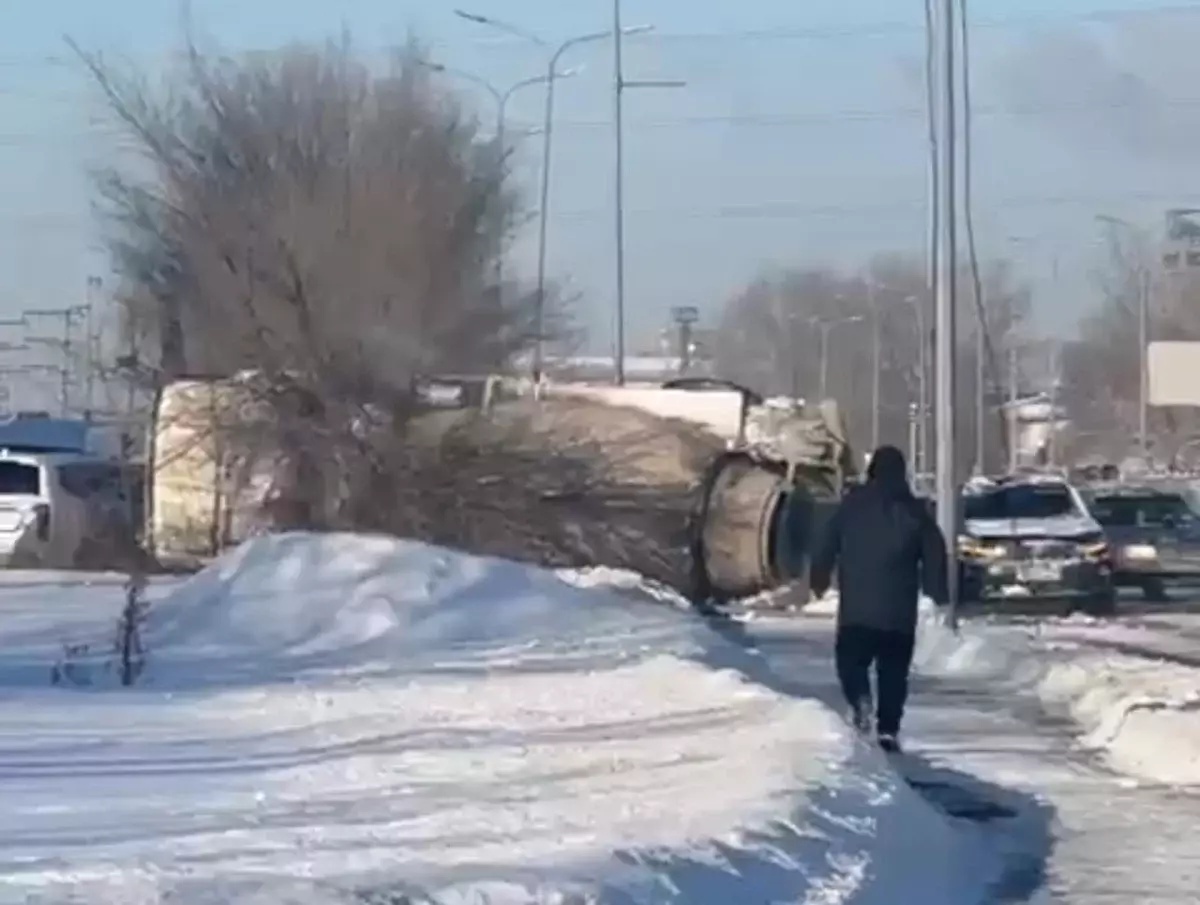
(1141, 714)
(335, 719)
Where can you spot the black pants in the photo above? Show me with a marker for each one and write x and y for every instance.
(856, 649)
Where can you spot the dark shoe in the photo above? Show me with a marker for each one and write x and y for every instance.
(889, 743)
(860, 718)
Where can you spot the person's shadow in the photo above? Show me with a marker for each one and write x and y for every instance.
(1018, 824)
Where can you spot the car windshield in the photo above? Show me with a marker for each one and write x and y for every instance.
(1149, 511)
(1020, 501)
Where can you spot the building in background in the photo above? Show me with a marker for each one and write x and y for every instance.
(1181, 241)
(682, 348)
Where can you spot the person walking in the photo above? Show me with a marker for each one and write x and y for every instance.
(885, 547)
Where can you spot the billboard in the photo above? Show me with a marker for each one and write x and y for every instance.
(1173, 373)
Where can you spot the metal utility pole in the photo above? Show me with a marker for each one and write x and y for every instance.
(619, 188)
(824, 328)
(913, 438)
(551, 77)
(1014, 459)
(824, 358)
(1052, 436)
(945, 292)
(685, 318)
(620, 84)
(980, 395)
(500, 98)
(922, 384)
(1143, 361)
(876, 361)
(555, 54)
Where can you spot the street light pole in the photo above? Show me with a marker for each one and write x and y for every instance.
(945, 290)
(1014, 459)
(1143, 362)
(619, 189)
(620, 83)
(922, 383)
(552, 75)
(500, 98)
(876, 361)
(980, 391)
(824, 328)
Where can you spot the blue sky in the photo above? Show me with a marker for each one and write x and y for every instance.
(792, 148)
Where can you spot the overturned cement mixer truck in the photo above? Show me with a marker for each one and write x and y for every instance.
(711, 490)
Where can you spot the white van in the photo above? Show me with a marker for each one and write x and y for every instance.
(52, 504)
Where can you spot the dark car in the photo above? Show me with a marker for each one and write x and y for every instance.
(1033, 539)
(1154, 535)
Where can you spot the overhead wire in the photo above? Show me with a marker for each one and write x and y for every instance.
(775, 120)
(800, 210)
(988, 367)
(820, 32)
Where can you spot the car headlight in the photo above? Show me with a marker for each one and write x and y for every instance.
(974, 548)
(1141, 552)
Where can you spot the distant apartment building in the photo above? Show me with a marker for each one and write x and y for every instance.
(1181, 241)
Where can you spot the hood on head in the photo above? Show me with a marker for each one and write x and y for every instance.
(888, 470)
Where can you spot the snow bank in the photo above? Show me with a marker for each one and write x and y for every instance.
(1141, 714)
(351, 719)
(296, 604)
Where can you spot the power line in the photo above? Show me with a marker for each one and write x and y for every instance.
(830, 32)
(786, 210)
(754, 120)
(776, 210)
(871, 115)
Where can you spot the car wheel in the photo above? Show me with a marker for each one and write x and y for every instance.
(1154, 590)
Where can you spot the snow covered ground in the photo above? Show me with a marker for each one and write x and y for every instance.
(348, 719)
(989, 736)
(1140, 713)
(1130, 686)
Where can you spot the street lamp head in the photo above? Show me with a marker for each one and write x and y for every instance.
(569, 73)
(432, 67)
(637, 29)
(472, 17)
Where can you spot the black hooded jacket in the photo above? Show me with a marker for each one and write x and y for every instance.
(885, 546)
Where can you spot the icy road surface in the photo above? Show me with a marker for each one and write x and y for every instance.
(985, 715)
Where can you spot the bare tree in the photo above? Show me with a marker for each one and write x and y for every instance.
(1101, 368)
(330, 229)
(775, 333)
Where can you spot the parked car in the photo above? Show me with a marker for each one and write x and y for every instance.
(1033, 537)
(1154, 535)
(62, 510)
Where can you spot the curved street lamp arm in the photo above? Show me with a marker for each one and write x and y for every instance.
(467, 76)
(500, 25)
(524, 83)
